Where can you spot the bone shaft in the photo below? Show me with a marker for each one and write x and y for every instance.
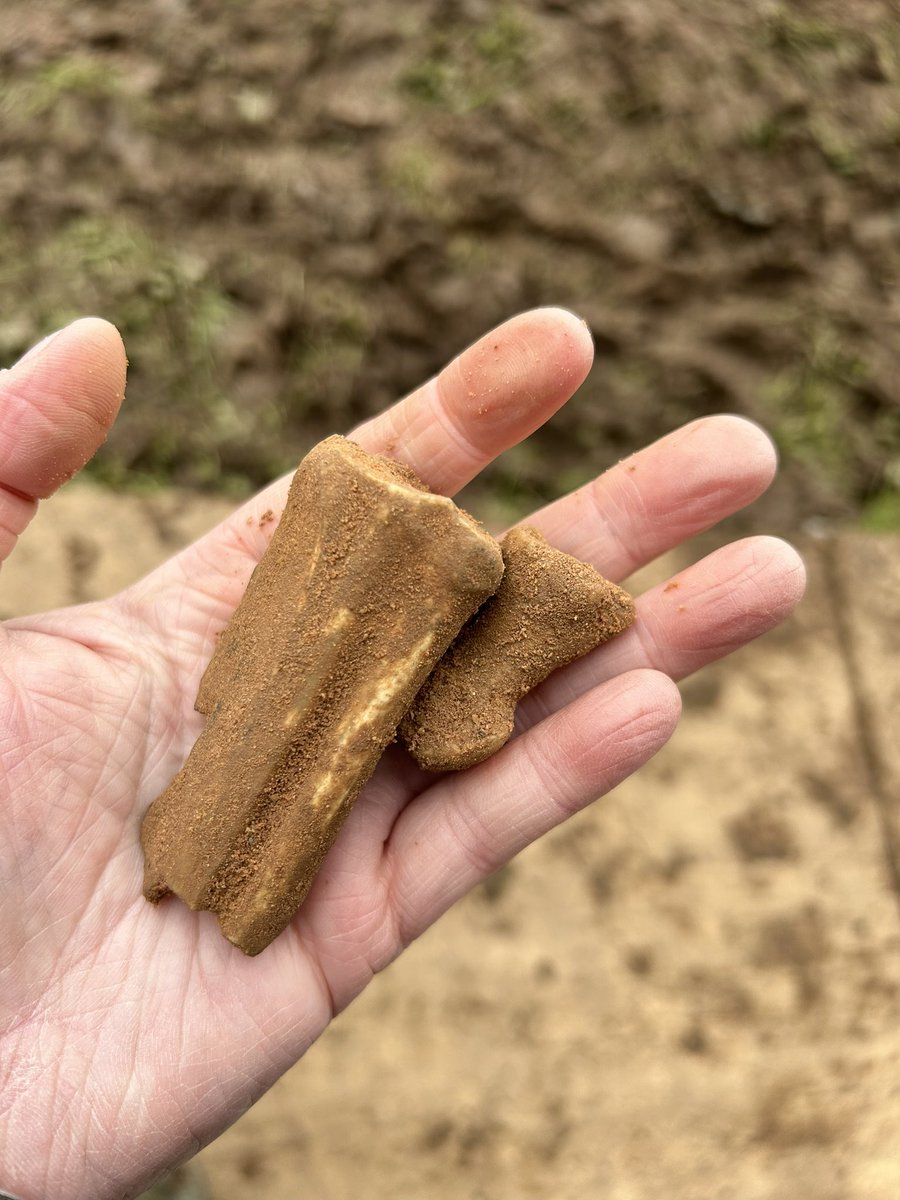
(366, 583)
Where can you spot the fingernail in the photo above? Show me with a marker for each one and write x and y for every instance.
(39, 348)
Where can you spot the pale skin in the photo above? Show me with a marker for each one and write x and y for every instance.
(131, 1035)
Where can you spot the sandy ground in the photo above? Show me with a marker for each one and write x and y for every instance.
(692, 990)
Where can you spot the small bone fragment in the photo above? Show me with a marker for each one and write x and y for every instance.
(549, 610)
(368, 579)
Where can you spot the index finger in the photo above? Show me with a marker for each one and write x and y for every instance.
(491, 397)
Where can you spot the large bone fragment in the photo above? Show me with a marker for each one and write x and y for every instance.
(368, 579)
(549, 610)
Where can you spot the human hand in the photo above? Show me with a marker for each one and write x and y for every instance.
(132, 1035)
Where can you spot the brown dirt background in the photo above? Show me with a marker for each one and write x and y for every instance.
(297, 212)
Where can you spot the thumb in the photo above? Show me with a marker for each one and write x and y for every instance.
(56, 407)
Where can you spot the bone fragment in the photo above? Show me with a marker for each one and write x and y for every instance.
(550, 609)
(368, 579)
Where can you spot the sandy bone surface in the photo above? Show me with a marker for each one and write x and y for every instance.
(549, 610)
(368, 579)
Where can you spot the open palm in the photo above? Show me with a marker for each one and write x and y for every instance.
(131, 1035)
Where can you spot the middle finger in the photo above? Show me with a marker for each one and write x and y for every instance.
(666, 493)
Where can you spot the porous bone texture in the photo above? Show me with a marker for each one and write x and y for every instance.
(550, 608)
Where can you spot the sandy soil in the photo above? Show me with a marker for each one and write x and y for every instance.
(693, 989)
